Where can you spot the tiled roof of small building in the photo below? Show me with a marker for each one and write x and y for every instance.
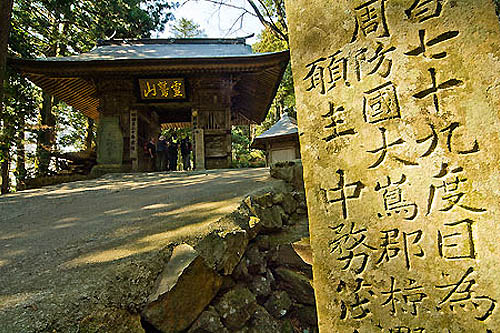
(285, 126)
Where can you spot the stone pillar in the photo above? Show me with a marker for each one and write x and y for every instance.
(398, 108)
(113, 134)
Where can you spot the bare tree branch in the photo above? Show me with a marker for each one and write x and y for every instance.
(267, 23)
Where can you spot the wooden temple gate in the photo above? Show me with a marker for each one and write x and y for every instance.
(132, 88)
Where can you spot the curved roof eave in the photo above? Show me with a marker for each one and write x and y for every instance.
(69, 80)
(49, 66)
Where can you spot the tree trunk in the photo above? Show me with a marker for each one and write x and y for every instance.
(5, 12)
(46, 137)
(21, 157)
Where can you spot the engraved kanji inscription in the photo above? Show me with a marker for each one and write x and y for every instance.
(455, 240)
(342, 193)
(450, 191)
(326, 73)
(423, 10)
(460, 295)
(381, 103)
(351, 247)
(336, 121)
(433, 138)
(383, 151)
(336, 71)
(371, 20)
(357, 306)
(380, 63)
(435, 88)
(393, 199)
(407, 299)
(316, 76)
(422, 49)
(392, 245)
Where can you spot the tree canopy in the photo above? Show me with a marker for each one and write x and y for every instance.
(184, 28)
(48, 28)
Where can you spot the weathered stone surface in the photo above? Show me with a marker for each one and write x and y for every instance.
(111, 321)
(290, 171)
(256, 262)
(278, 304)
(304, 250)
(208, 322)
(183, 290)
(297, 285)
(223, 250)
(288, 203)
(260, 286)
(398, 105)
(236, 307)
(285, 255)
(263, 322)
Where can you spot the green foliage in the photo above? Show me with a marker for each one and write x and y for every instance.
(285, 96)
(48, 28)
(71, 128)
(185, 28)
(243, 156)
(62, 27)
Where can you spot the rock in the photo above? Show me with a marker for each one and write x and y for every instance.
(297, 285)
(301, 211)
(255, 261)
(278, 198)
(243, 218)
(289, 171)
(263, 322)
(227, 283)
(240, 272)
(270, 218)
(223, 251)
(283, 214)
(208, 322)
(236, 307)
(288, 203)
(263, 242)
(265, 199)
(183, 290)
(260, 286)
(278, 304)
(304, 250)
(111, 321)
(287, 326)
(306, 314)
(285, 255)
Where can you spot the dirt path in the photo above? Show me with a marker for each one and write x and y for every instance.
(54, 240)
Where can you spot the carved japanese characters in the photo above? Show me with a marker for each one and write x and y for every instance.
(398, 112)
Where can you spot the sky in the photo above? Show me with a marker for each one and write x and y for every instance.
(217, 23)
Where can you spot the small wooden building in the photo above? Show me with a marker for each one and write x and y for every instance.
(281, 141)
(134, 87)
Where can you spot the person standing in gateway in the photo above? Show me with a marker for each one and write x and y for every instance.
(161, 154)
(186, 153)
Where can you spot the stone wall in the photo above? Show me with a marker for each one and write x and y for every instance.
(250, 274)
